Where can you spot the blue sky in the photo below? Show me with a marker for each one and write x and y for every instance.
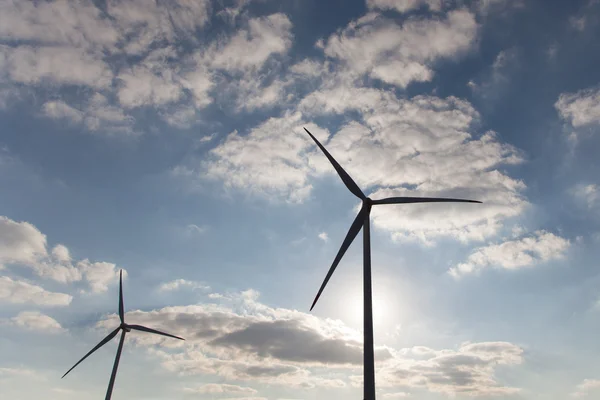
(165, 138)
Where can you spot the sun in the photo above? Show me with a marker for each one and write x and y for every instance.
(382, 309)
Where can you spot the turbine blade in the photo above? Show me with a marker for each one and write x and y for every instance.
(150, 330)
(352, 232)
(121, 306)
(113, 375)
(350, 184)
(405, 200)
(102, 343)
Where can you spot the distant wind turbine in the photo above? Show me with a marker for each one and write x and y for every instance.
(126, 328)
(362, 220)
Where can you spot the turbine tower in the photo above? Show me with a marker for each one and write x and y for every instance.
(125, 328)
(362, 220)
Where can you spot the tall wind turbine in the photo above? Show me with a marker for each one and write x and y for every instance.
(362, 220)
(125, 328)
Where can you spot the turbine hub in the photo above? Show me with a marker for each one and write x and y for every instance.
(125, 327)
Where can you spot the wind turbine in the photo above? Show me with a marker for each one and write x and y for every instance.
(362, 220)
(125, 328)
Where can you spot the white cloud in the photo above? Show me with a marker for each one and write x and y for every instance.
(435, 155)
(323, 236)
(36, 321)
(221, 388)
(403, 6)
(400, 54)
(99, 274)
(181, 283)
(527, 251)
(585, 387)
(59, 44)
(22, 244)
(56, 65)
(143, 87)
(20, 292)
(200, 82)
(249, 161)
(251, 47)
(148, 23)
(581, 108)
(79, 24)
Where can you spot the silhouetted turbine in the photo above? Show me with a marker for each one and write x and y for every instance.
(126, 328)
(362, 220)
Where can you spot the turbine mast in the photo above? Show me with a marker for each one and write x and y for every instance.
(368, 352)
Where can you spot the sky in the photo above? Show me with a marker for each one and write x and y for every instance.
(165, 138)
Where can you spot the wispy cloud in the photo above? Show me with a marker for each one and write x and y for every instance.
(182, 283)
(324, 236)
(585, 387)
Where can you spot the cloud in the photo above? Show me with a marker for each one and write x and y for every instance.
(396, 395)
(466, 371)
(193, 228)
(240, 339)
(581, 108)
(403, 6)
(527, 251)
(248, 161)
(585, 387)
(182, 283)
(128, 52)
(587, 194)
(496, 7)
(58, 109)
(252, 46)
(96, 113)
(141, 86)
(221, 388)
(13, 372)
(56, 66)
(20, 292)
(398, 54)
(436, 155)
(36, 321)
(495, 82)
(22, 244)
(323, 236)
